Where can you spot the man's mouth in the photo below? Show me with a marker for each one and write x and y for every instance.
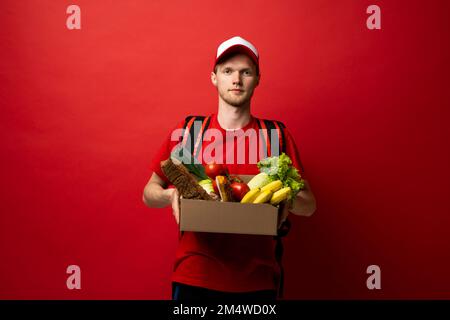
(237, 90)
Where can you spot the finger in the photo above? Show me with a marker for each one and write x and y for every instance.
(177, 217)
(176, 209)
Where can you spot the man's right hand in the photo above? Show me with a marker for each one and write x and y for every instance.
(156, 196)
(175, 201)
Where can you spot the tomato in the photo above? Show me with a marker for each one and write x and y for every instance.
(239, 190)
(214, 169)
(235, 179)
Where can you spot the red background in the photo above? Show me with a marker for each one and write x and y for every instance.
(83, 111)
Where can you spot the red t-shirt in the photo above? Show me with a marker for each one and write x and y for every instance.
(226, 262)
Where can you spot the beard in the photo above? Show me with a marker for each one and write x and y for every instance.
(235, 100)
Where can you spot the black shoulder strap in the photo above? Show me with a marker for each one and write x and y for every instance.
(194, 130)
(275, 133)
(279, 250)
(272, 131)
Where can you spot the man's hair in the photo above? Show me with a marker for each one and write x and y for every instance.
(225, 58)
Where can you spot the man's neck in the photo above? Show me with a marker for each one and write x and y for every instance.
(230, 117)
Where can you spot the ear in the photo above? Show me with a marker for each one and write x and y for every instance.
(214, 79)
(257, 80)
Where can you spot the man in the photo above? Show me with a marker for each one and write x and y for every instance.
(214, 266)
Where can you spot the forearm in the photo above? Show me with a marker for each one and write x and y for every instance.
(155, 196)
(304, 204)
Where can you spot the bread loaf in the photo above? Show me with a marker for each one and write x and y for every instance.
(186, 184)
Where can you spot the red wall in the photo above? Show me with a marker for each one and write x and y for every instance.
(83, 111)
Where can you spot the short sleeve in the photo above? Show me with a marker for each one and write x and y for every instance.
(163, 153)
(293, 152)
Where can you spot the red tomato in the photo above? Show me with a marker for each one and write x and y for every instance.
(239, 190)
(213, 169)
(235, 179)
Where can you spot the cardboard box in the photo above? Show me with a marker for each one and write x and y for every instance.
(228, 217)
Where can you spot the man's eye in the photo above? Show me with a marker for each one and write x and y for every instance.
(227, 71)
(247, 73)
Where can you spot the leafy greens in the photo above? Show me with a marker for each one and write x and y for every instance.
(281, 168)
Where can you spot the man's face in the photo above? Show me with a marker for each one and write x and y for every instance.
(236, 79)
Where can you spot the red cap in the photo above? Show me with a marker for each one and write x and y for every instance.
(237, 44)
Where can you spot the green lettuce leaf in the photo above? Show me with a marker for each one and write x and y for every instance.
(281, 168)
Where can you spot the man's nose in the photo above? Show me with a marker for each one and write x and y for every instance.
(236, 78)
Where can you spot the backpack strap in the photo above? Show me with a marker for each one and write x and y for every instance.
(271, 131)
(194, 125)
(279, 250)
(279, 126)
